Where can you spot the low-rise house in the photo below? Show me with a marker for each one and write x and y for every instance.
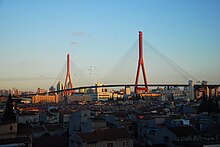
(55, 129)
(176, 122)
(28, 117)
(38, 131)
(97, 123)
(104, 137)
(170, 136)
(205, 121)
(79, 122)
(48, 117)
(185, 134)
(51, 141)
(119, 119)
(146, 121)
(8, 130)
(13, 134)
(159, 135)
(24, 130)
(212, 134)
(64, 118)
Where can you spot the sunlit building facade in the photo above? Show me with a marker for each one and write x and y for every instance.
(45, 99)
(59, 86)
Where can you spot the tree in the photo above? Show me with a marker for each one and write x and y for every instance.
(9, 111)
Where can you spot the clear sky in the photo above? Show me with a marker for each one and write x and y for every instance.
(36, 35)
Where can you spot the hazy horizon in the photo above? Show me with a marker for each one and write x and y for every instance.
(101, 37)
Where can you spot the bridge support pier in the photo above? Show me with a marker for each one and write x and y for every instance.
(68, 85)
(141, 65)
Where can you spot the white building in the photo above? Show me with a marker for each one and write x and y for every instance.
(100, 94)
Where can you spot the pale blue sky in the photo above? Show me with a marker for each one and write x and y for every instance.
(36, 35)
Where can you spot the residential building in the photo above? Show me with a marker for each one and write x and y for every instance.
(14, 134)
(104, 137)
(28, 117)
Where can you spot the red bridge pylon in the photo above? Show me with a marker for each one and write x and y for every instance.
(141, 64)
(68, 85)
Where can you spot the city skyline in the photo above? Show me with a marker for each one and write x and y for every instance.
(36, 36)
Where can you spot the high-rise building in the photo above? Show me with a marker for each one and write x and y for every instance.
(206, 89)
(51, 89)
(82, 90)
(127, 90)
(59, 86)
(190, 90)
(101, 94)
(98, 89)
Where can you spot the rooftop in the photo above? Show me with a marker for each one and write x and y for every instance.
(105, 134)
(184, 131)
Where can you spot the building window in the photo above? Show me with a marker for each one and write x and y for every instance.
(11, 127)
(125, 144)
(109, 144)
(130, 128)
(91, 145)
(166, 139)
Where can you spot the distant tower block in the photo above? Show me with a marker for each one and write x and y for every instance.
(141, 65)
(68, 82)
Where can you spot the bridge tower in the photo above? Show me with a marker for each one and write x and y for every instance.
(141, 65)
(68, 82)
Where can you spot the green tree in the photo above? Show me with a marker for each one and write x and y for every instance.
(9, 114)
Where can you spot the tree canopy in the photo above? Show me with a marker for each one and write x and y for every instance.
(9, 114)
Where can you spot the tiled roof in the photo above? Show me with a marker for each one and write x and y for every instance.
(184, 131)
(38, 129)
(28, 113)
(105, 134)
(214, 129)
(51, 141)
(53, 127)
(14, 140)
(7, 122)
(23, 128)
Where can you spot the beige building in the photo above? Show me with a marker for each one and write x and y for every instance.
(8, 130)
(13, 134)
(104, 96)
(99, 89)
(40, 91)
(127, 90)
(45, 99)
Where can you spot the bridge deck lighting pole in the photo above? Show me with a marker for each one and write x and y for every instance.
(141, 65)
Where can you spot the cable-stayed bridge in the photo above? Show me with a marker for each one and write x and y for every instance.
(69, 87)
